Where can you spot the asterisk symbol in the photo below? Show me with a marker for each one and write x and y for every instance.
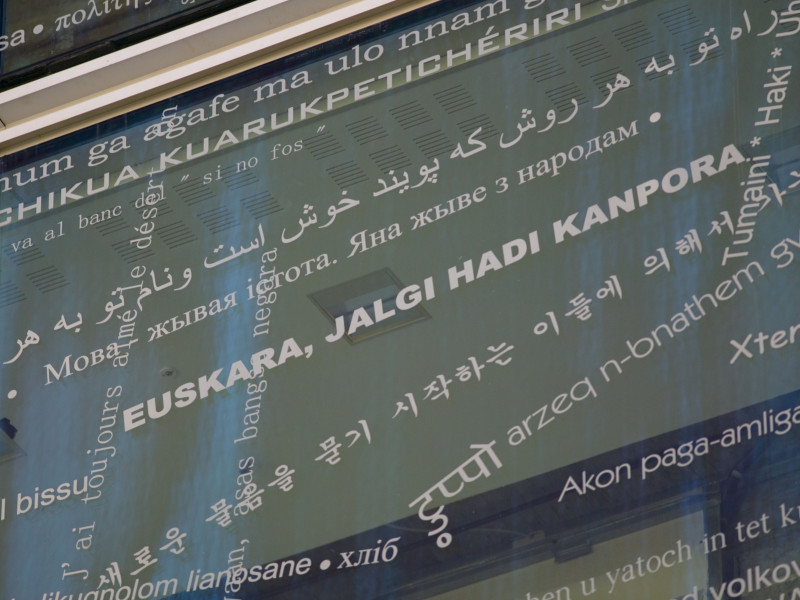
(756, 141)
(777, 52)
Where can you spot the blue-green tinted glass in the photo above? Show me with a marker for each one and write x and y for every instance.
(494, 300)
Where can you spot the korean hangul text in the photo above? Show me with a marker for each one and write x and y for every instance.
(436, 390)
(401, 406)
(222, 512)
(114, 576)
(689, 243)
(249, 499)
(331, 454)
(542, 327)
(502, 349)
(284, 480)
(355, 434)
(716, 226)
(580, 307)
(465, 372)
(175, 545)
(610, 286)
(144, 558)
(652, 262)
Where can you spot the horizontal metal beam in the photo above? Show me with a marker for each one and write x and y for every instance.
(177, 61)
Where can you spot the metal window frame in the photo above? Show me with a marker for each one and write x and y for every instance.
(175, 62)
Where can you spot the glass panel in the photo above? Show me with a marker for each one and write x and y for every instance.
(595, 207)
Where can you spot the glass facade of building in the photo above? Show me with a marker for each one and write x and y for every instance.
(490, 300)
